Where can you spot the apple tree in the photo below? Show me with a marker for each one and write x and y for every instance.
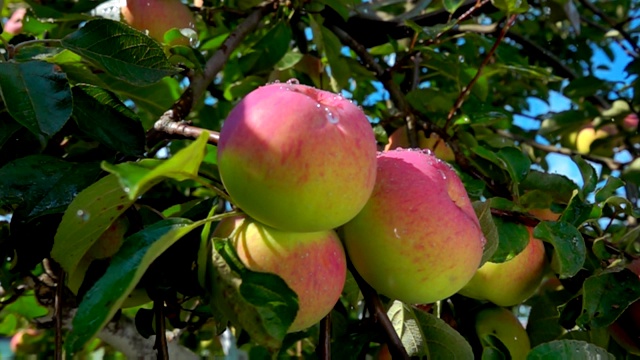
(450, 179)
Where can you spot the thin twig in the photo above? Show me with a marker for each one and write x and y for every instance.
(324, 347)
(465, 90)
(168, 126)
(58, 303)
(161, 334)
(608, 162)
(379, 314)
(460, 19)
(613, 24)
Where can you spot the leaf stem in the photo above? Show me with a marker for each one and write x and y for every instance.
(324, 346)
(19, 46)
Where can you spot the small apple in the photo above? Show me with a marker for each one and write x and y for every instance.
(630, 122)
(589, 134)
(159, 16)
(505, 326)
(26, 341)
(297, 158)
(417, 239)
(13, 26)
(544, 214)
(313, 264)
(400, 139)
(511, 282)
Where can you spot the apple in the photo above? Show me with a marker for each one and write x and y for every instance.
(511, 282)
(26, 341)
(297, 158)
(630, 122)
(13, 26)
(626, 329)
(417, 239)
(505, 326)
(159, 16)
(313, 264)
(400, 139)
(544, 214)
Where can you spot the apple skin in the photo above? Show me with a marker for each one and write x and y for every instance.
(400, 139)
(511, 282)
(313, 265)
(13, 26)
(159, 16)
(26, 341)
(626, 329)
(297, 158)
(544, 214)
(111, 239)
(417, 239)
(630, 122)
(504, 325)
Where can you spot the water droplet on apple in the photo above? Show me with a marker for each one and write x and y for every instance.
(331, 117)
(395, 232)
(276, 82)
(293, 81)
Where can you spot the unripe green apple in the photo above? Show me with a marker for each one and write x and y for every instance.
(297, 158)
(400, 139)
(159, 16)
(505, 326)
(417, 239)
(511, 282)
(312, 264)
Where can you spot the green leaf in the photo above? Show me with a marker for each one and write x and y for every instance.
(426, 336)
(138, 177)
(489, 229)
(569, 247)
(609, 189)
(568, 350)
(102, 301)
(606, 296)
(265, 313)
(37, 95)
(589, 175)
(558, 186)
(125, 53)
(86, 218)
(339, 67)
(578, 210)
(102, 116)
(452, 5)
(339, 7)
(516, 163)
(584, 86)
(514, 238)
(42, 184)
(632, 172)
(271, 48)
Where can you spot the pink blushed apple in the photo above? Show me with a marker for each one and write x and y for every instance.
(159, 16)
(312, 264)
(417, 239)
(297, 158)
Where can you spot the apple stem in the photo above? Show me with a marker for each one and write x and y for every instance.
(324, 346)
(161, 336)
(379, 315)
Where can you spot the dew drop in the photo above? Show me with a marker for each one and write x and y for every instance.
(293, 81)
(395, 232)
(83, 215)
(126, 190)
(276, 82)
(331, 117)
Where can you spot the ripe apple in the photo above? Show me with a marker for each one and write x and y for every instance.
(505, 326)
(626, 329)
(630, 122)
(159, 16)
(417, 239)
(400, 139)
(297, 158)
(312, 264)
(511, 282)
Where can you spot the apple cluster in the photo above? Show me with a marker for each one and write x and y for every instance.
(302, 162)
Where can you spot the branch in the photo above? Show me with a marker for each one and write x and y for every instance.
(613, 24)
(465, 90)
(168, 126)
(376, 309)
(324, 346)
(161, 335)
(608, 162)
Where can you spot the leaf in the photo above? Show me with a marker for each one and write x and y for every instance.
(567, 350)
(426, 336)
(339, 7)
(489, 229)
(86, 218)
(264, 315)
(101, 115)
(138, 177)
(589, 175)
(584, 86)
(125, 53)
(569, 247)
(452, 5)
(516, 163)
(609, 189)
(42, 184)
(102, 301)
(339, 67)
(514, 238)
(270, 48)
(37, 95)
(632, 172)
(606, 296)
(578, 210)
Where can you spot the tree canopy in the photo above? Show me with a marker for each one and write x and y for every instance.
(110, 188)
